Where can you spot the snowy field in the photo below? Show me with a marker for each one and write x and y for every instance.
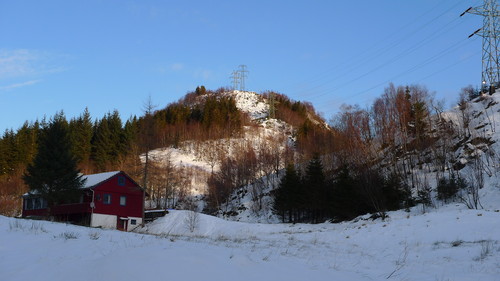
(449, 243)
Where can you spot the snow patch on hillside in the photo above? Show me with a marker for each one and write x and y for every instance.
(251, 103)
(178, 158)
(201, 156)
(479, 121)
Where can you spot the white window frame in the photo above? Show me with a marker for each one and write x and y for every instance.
(123, 200)
(106, 196)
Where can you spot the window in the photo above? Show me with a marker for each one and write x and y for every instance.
(37, 204)
(107, 199)
(44, 204)
(121, 181)
(133, 222)
(29, 204)
(123, 200)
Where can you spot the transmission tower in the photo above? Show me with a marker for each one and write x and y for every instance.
(235, 79)
(243, 74)
(272, 108)
(490, 33)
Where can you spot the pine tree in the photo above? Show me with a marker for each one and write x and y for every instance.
(101, 144)
(81, 131)
(26, 139)
(317, 193)
(130, 132)
(10, 153)
(53, 173)
(117, 137)
(288, 196)
(346, 202)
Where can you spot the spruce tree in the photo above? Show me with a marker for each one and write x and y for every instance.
(346, 202)
(316, 187)
(81, 132)
(9, 151)
(53, 173)
(101, 144)
(287, 197)
(117, 147)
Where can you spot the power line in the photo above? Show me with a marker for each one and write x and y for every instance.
(455, 46)
(418, 66)
(368, 52)
(360, 61)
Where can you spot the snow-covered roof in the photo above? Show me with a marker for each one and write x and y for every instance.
(91, 181)
(95, 179)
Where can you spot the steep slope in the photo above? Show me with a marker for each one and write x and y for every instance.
(479, 122)
(263, 137)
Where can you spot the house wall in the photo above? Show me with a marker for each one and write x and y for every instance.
(106, 221)
(103, 215)
(130, 226)
(134, 198)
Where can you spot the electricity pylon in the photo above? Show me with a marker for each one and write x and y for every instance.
(235, 77)
(490, 33)
(238, 77)
(272, 108)
(243, 74)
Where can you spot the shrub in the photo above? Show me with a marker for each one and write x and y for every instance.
(94, 235)
(68, 235)
(447, 189)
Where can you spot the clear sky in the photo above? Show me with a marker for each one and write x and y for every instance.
(113, 54)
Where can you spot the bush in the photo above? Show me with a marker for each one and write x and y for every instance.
(447, 189)
(94, 235)
(68, 235)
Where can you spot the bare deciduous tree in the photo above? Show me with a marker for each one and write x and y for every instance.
(470, 196)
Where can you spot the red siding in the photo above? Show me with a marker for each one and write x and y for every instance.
(133, 193)
(133, 207)
(34, 213)
(78, 208)
(69, 208)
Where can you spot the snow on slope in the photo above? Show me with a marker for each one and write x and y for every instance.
(483, 132)
(451, 243)
(252, 103)
(275, 133)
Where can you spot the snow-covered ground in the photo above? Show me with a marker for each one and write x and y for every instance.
(449, 243)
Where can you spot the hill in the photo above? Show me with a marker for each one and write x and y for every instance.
(252, 157)
(224, 152)
(424, 147)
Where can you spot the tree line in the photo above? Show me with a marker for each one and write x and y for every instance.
(382, 158)
(343, 195)
(363, 160)
(108, 143)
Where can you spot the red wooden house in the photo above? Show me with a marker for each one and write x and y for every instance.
(108, 200)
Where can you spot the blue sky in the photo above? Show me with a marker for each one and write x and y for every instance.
(113, 54)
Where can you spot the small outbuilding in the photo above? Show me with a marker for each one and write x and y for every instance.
(109, 200)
